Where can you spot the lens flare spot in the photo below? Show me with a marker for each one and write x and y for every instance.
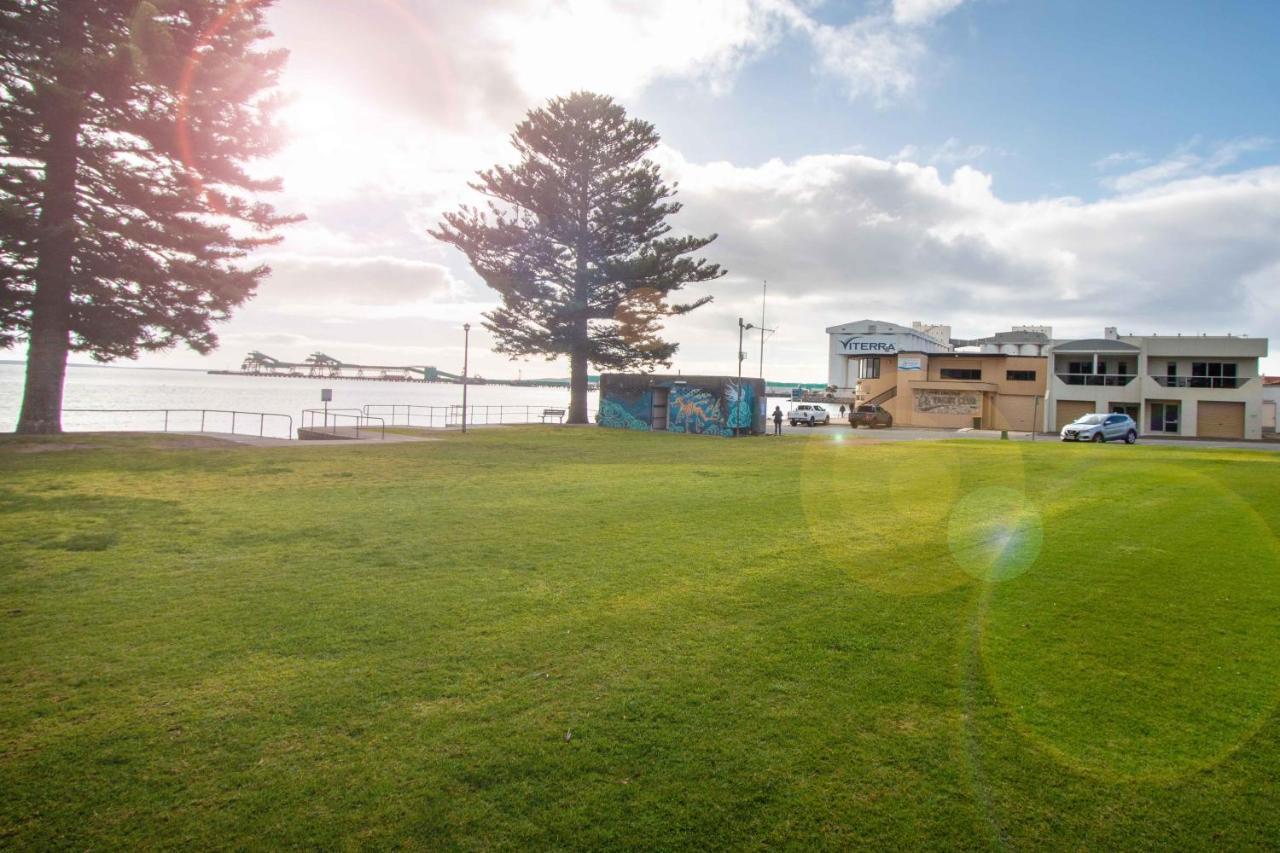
(995, 534)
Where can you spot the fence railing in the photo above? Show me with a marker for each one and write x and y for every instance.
(408, 414)
(1107, 379)
(168, 421)
(1200, 381)
(343, 423)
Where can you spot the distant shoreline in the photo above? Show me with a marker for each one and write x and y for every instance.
(115, 366)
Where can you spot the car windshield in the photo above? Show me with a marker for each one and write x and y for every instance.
(1091, 419)
(867, 409)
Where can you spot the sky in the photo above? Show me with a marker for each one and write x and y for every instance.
(979, 163)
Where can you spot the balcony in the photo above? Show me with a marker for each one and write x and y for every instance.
(1114, 380)
(1201, 381)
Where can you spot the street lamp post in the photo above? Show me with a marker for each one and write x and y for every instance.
(742, 328)
(466, 352)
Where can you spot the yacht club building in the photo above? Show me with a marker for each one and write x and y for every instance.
(1193, 386)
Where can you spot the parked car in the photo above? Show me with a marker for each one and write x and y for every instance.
(871, 416)
(809, 414)
(1101, 427)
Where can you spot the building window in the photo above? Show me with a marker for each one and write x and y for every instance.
(1080, 367)
(1213, 374)
(868, 368)
(1020, 375)
(961, 373)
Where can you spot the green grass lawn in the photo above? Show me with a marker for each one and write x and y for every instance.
(585, 638)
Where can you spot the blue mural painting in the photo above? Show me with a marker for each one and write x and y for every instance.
(701, 405)
(740, 397)
(694, 410)
(625, 411)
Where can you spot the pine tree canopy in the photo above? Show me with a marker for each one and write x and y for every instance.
(574, 239)
(127, 201)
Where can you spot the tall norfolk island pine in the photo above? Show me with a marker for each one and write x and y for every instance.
(574, 240)
(125, 206)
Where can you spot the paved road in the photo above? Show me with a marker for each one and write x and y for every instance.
(919, 434)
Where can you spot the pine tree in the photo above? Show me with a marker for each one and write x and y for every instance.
(126, 206)
(575, 241)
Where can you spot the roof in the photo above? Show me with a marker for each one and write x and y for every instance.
(1006, 338)
(882, 327)
(1271, 380)
(1094, 345)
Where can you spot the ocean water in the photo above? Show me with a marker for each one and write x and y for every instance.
(141, 388)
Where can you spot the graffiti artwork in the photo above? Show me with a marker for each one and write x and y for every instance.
(949, 402)
(701, 405)
(626, 411)
(740, 398)
(694, 410)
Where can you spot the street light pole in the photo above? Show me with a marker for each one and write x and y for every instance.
(466, 352)
(742, 327)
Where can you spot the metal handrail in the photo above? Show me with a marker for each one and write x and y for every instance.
(1166, 381)
(359, 418)
(1109, 379)
(262, 416)
(451, 415)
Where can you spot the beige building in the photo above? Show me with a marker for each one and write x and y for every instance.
(1186, 385)
(925, 383)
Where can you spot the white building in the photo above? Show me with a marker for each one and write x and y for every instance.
(852, 348)
(1199, 386)
(1270, 402)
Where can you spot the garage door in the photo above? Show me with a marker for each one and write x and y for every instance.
(1069, 410)
(1016, 413)
(1220, 420)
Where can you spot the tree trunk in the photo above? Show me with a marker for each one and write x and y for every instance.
(578, 385)
(50, 338)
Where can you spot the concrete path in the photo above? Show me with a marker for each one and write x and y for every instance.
(254, 441)
(921, 434)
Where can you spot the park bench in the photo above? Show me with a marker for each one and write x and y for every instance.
(558, 414)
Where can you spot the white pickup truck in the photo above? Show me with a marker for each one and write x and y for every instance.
(809, 414)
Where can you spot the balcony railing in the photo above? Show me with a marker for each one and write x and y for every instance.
(1200, 381)
(1110, 379)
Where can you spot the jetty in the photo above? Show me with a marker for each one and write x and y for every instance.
(320, 365)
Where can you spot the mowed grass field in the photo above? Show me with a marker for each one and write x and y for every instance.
(580, 638)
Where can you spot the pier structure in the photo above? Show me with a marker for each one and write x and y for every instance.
(320, 365)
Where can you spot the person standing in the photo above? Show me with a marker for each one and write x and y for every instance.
(777, 420)
(842, 411)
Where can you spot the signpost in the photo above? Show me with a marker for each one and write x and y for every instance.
(326, 395)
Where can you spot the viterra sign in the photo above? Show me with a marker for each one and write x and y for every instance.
(869, 345)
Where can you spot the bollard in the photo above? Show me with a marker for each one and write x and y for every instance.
(1004, 435)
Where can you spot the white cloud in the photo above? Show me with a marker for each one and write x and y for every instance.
(348, 288)
(871, 56)
(1187, 160)
(845, 236)
(917, 12)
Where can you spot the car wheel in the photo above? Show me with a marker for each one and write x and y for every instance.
(793, 423)
(1130, 437)
(1098, 438)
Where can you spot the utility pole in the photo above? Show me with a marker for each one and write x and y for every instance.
(466, 352)
(764, 293)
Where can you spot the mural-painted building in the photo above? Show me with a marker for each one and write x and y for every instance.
(705, 405)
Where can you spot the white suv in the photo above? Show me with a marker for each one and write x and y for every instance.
(1100, 427)
(809, 414)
